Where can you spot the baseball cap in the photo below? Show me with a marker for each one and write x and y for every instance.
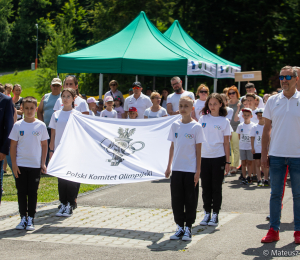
(117, 98)
(56, 81)
(132, 109)
(108, 99)
(91, 100)
(247, 110)
(137, 84)
(260, 110)
(130, 89)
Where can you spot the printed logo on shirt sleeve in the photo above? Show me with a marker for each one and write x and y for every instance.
(203, 125)
(176, 135)
(56, 119)
(257, 132)
(21, 133)
(242, 130)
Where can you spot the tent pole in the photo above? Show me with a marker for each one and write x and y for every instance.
(100, 85)
(153, 84)
(136, 78)
(186, 82)
(239, 87)
(215, 85)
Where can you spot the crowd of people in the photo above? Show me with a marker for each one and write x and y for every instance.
(216, 135)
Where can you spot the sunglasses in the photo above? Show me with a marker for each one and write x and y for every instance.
(136, 88)
(287, 77)
(231, 93)
(112, 84)
(203, 91)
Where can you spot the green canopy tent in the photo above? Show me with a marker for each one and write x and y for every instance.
(139, 49)
(225, 69)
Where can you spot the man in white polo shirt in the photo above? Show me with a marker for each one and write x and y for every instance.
(138, 100)
(173, 99)
(250, 89)
(282, 124)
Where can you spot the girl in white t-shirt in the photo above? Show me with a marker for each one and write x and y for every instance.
(67, 189)
(118, 107)
(109, 111)
(156, 110)
(92, 106)
(186, 136)
(202, 92)
(215, 156)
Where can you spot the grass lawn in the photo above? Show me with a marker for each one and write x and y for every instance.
(47, 191)
(26, 79)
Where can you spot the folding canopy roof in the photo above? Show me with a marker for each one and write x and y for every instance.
(225, 69)
(139, 49)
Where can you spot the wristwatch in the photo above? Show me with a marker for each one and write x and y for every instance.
(227, 162)
(51, 151)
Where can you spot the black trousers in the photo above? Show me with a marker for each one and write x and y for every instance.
(184, 197)
(212, 175)
(67, 191)
(27, 185)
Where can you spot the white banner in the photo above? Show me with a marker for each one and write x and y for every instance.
(99, 150)
(201, 68)
(227, 71)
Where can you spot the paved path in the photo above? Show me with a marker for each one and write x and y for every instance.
(134, 221)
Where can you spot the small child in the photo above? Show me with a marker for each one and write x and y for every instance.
(238, 116)
(118, 107)
(256, 135)
(109, 111)
(28, 151)
(246, 155)
(92, 105)
(186, 136)
(133, 113)
(8, 89)
(251, 103)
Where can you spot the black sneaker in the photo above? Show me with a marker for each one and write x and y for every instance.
(249, 180)
(259, 184)
(266, 183)
(244, 181)
(68, 211)
(22, 224)
(178, 234)
(206, 219)
(254, 178)
(214, 221)
(241, 177)
(187, 234)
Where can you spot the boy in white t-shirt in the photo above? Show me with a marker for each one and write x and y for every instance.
(28, 150)
(186, 136)
(109, 111)
(246, 155)
(256, 135)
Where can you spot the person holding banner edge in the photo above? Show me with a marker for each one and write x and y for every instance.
(67, 190)
(186, 136)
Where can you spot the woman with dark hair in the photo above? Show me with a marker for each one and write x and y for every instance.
(215, 155)
(17, 100)
(114, 92)
(163, 102)
(234, 99)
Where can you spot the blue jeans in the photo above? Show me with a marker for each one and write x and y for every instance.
(277, 173)
(1, 178)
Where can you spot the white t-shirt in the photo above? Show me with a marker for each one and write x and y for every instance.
(244, 130)
(285, 116)
(114, 94)
(261, 101)
(198, 105)
(141, 104)
(164, 104)
(91, 113)
(29, 137)
(79, 104)
(58, 121)
(160, 113)
(110, 114)
(256, 132)
(174, 99)
(185, 138)
(214, 128)
(120, 111)
(229, 113)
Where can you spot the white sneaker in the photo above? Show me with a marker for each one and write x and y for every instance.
(187, 234)
(214, 221)
(61, 210)
(68, 211)
(179, 233)
(22, 224)
(30, 225)
(206, 219)
(229, 174)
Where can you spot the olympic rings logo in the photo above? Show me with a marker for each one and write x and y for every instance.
(217, 127)
(189, 136)
(36, 133)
